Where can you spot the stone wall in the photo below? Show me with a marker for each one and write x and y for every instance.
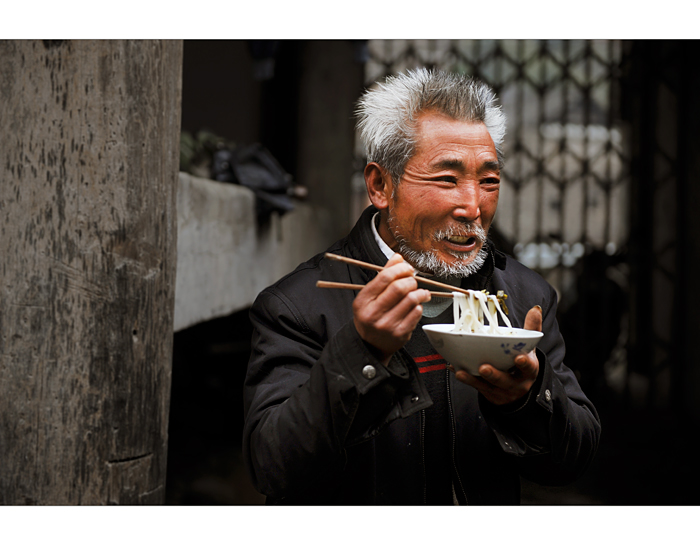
(225, 258)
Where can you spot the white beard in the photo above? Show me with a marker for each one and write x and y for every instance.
(428, 261)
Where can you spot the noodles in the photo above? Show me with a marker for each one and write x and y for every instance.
(470, 311)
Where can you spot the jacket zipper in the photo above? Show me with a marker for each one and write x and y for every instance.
(422, 452)
(454, 438)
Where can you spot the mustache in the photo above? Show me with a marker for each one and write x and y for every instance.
(470, 229)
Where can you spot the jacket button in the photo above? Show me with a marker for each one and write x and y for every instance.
(548, 395)
(414, 398)
(369, 372)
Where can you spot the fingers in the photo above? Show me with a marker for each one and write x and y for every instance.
(386, 300)
(393, 260)
(533, 320)
(396, 302)
(484, 387)
(501, 387)
(391, 285)
(388, 308)
(497, 380)
(527, 365)
(387, 295)
(395, 268)
(399, 318)
(471, 380)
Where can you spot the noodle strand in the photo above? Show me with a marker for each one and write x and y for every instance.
(470, 311)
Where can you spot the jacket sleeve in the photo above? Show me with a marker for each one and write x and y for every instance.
(306, 397)
(554, 432)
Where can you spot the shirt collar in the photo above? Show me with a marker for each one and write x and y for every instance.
(388, 252)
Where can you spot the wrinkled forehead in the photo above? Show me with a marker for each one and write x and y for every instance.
(434, 128)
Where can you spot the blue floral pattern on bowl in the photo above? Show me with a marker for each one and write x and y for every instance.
(517, 347)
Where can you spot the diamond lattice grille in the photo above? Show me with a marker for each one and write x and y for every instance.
(565, 184)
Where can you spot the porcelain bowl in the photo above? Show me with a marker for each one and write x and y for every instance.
(467, 351)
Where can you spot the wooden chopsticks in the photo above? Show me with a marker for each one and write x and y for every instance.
(501, 296)
(373, 267)
(343, 286)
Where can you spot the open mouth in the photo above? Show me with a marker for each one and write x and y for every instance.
(461, 240)
(460, 244)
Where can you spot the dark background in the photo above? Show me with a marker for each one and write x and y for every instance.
(647, 451)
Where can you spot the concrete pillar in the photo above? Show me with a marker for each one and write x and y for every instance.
(330, 83)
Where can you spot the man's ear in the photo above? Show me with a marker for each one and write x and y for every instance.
(379, 185)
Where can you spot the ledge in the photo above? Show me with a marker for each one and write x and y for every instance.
(224, 259)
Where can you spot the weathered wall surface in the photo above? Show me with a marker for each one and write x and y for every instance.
(88, 178)
(225, 259)
(331, 83)
(305, 117)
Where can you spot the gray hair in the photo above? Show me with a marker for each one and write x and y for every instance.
(387, 114)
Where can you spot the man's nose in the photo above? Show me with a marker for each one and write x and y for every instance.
(467, 204)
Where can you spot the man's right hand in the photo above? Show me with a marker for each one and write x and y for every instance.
(388, 309)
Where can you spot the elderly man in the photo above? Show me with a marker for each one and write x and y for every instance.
(346, 402)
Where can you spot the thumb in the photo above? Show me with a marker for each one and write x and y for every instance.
(533, 320)
(396, 258)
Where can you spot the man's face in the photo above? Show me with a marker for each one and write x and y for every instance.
(441, 211)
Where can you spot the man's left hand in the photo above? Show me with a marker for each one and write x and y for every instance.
(502, 387)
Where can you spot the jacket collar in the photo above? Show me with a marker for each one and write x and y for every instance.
(362, 240)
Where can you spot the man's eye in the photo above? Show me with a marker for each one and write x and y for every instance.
(491, 181)
(450, 179)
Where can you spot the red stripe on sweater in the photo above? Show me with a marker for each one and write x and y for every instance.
(436, 367)
(428, 358)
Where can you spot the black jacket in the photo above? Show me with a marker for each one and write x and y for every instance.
(317, 431)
